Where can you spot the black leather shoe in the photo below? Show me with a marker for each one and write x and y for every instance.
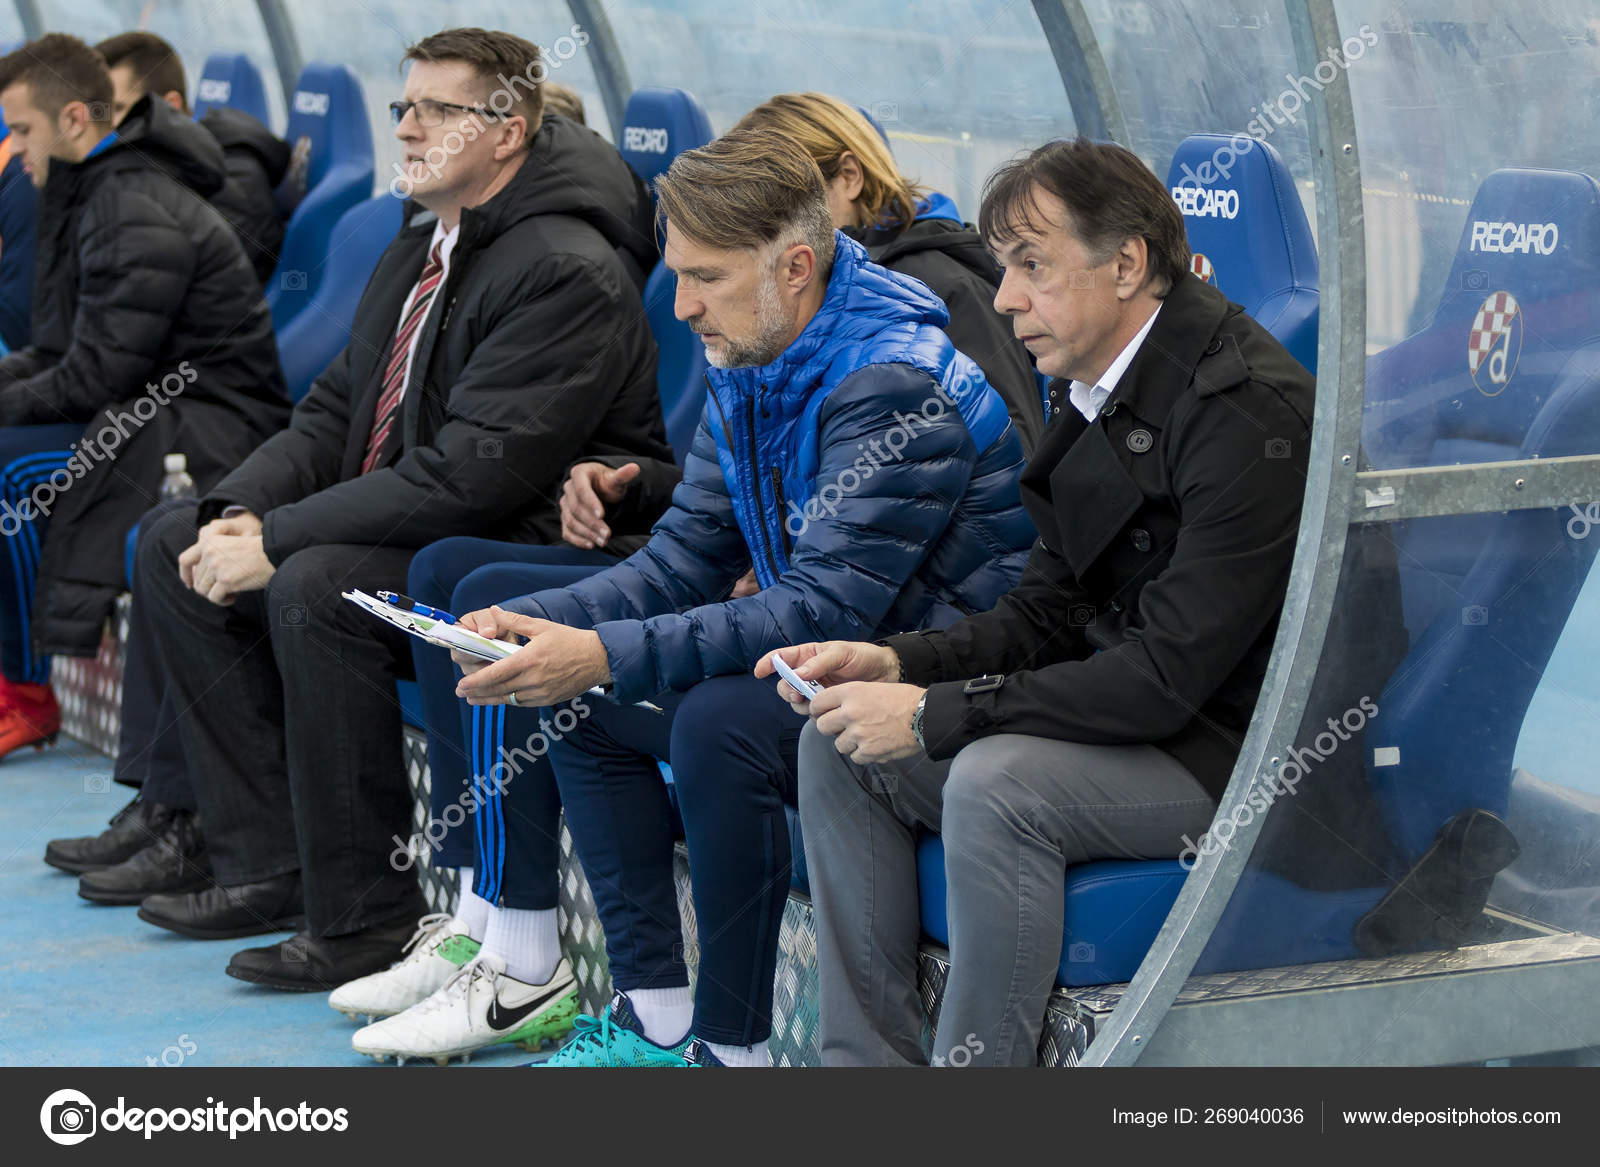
(306, 964)
(175, 862)
(131, 831)
(226, 913)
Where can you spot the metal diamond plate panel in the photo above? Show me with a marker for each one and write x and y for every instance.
(1333, 973)
(1061, 1042)
(439, 886)
(90, 689)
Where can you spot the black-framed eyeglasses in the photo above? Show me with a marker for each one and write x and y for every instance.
(431, 113)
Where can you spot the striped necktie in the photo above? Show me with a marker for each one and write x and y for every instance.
(387, 414)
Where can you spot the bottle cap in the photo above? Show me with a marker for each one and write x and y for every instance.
(175, 463)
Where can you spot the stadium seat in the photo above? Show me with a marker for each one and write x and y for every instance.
(317, 334)
(1509, 368)
(1249, 234)
(658, 125)
(332, 171)
(232, 80)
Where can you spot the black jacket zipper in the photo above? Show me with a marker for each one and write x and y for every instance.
(755, 481)
(755, 469)
(779, 505)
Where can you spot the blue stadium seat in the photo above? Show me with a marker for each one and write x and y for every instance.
(231, 80)
(1249, 234)
(331, 171)
(318, 333)
(658, 125)
(1509, 368)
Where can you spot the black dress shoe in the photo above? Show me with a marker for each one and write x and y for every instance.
(226, 913)
(175, 862)
(306, 964)
(130, 832)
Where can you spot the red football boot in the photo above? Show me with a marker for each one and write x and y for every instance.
(29, 715)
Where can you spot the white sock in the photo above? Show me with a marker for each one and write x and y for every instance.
(527, 940)
(740, 1055)
(666, 1014)
(473, 910)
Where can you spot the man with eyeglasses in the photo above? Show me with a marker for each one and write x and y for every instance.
(500, 338)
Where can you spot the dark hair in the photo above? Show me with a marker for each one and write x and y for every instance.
(59, 70)
(509, 68)
(155, 63)
(749, 189)
(1109, 194)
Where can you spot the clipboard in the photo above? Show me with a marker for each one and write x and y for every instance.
(445, 635)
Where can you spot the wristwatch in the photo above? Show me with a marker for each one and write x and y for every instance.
(916, 722)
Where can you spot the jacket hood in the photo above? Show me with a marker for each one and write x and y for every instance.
(937, 227)
(571, 170)
(154, 135)
(233, 128)
(862, 301)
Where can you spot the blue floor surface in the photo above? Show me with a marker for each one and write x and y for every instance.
(85, 985)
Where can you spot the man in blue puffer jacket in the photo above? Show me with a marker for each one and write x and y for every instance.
(868, 473)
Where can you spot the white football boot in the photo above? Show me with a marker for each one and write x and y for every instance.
(481, 1005)
(436, 951)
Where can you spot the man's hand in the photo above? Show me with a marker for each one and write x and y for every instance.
(831, 662)
(590, 487)
(555, 665)
(243, 523)
(869, 722)
(223, 567)
(748, 585)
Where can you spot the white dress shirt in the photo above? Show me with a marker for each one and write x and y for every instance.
(1086, 398)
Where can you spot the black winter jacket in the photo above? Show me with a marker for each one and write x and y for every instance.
(536, 351)
(1149, 605)
(141, 292)
(256, 163)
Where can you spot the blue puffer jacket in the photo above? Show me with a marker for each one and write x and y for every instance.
(869, 474)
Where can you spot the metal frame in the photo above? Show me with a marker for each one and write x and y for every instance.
(1384, 496)
(28, 16)
(1083, 69)
(1324, 523)
(279, 24)
(605, 56)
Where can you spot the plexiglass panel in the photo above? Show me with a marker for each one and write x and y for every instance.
(960, 86)
(387, 27)
(1182, 68)
(1450, 93)
(196, 28)
(1442, 790)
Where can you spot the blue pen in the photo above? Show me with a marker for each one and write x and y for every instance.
(420, 609)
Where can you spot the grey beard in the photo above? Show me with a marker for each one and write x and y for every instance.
(769, 341)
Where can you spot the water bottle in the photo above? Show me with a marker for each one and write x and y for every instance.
(177, 483)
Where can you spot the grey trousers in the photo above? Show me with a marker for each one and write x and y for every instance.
(1013, 812)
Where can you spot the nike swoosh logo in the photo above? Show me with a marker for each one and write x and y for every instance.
(501, 1018)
